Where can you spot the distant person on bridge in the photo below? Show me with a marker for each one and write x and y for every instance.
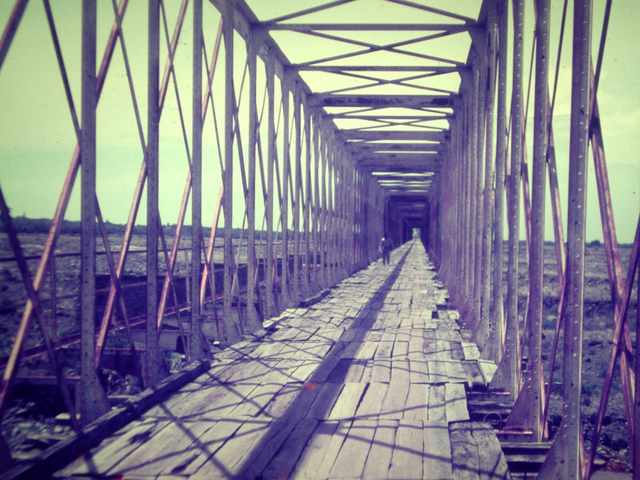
(385, 249)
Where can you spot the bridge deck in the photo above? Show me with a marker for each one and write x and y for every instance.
(369, 382)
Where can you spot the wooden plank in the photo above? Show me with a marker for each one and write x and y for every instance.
(418, 372)
(180, 456)
(493, 464)
(285, 397)
(348, 401)
(488, 369)
(436, 457)
(110, 452)
(235, 396)
(204, 448)
(456, 402)
(446, 371)
(464, 452)
(395, 400)
(416, 344)
(326, 398)
(315, 450)
(256, 400)
(473, 374)
(366, 350)
(417, 403)
(381, 371)
(406, 461)
(163, 452)
(400, 348)
(332, 450)
(229, 459)
(353, 454)
(305, 370)
(283, 463)
(278, 432)
(437, 408)
(371, 403)
(356, 371)
(471, 351)
(381, 451)
(400, 370)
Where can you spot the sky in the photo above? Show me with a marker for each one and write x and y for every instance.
(37, 138)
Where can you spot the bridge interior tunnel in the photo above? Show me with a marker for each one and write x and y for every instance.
(407, 216)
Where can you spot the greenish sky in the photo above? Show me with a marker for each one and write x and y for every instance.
(37, 139)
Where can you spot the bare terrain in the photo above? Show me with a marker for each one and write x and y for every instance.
(30, 423)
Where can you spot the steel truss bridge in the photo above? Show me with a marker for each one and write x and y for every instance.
(305, 355)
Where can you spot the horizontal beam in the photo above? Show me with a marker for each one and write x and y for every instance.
(409, 206)
(392, 183)
(395, 147)
(405, 187)
(423, 118)
(370, 27)
(395, 135)
(378, 68)
(409, 209)
(398, 176)
(417, 158)
(409, 101)
(404, 182)
(399, 193)
(405, 170)
(400, 167)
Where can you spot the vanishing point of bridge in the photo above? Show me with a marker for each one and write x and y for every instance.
(306, 355)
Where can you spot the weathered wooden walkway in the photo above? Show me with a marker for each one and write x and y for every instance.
(369, 382)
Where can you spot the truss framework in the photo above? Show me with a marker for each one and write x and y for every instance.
(331, 191)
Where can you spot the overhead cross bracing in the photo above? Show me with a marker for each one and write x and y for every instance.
(363, 114)
(316, 129)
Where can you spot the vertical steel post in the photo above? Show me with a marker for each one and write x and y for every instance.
(271, 154)
(464, 132)
(324, 212)
(464, 138)
(152, 356)
(284, 207)
(496, 309)
(251, 198)
(536, 252)
(470, 183)
(331, 250)
(196, 182)
(229, 105)
(486, 327)
(297, 192)
(565, 459)
(477, 179)
(316, 203)
(454, 224)
(578, 156)
(508, 373)
(93, 402)
(308, 203)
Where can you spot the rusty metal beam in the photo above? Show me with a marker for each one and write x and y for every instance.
(380, 101)
(370, 27)
(93, 401)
